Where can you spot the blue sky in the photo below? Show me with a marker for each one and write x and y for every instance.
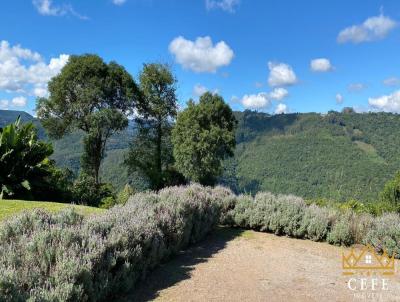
(268, 55)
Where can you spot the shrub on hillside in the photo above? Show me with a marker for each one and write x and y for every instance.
(316, 223)
(65, 257)
(385, 234)
(124, 195)
(391, 191)
(341, 234)
(87, 191)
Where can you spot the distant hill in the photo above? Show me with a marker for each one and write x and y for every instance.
(9, 116)
(336, 155)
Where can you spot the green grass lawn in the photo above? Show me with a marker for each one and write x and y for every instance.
(10, 208)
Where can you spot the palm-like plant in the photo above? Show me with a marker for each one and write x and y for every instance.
(24, 160)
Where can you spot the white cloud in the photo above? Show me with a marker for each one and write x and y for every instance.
(201, 55)
(4, 104)
(199, 90)
(119, 2)
(25, 71)
(339, 98)
(387, 103)
(225, 5)
(281, 108)
(321, 65)
(355, 87)
(393, 81)
(256, 101)
(19, 101)
(281, 74)
(374, 28)
(47, 8)
(278, 94)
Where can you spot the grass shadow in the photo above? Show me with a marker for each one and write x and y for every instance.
(179, 267)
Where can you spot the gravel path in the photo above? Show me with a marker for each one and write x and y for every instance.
(235, 265)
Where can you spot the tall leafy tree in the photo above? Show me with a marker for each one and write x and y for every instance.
(203, 136)
(92, 96)
(151, 151)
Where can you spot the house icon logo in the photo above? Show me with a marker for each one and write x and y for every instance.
(368, 262)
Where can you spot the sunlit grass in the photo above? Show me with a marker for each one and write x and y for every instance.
(9, 208)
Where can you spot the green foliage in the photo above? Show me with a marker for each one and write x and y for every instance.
(391, 191)
(125, 194)
(25, 168)
(338, 156)
(91, 96)
(203, 136)
(335, 156)
(87, 191)
(150, 153)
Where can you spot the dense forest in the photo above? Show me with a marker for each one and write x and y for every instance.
(336, 155)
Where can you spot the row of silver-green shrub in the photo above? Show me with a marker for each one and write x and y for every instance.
(291, 216)
(66, 257)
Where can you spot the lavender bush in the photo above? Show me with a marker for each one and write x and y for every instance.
(66, 257)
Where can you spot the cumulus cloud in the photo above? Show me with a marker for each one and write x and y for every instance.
(199, 90)
(47, 8)
(393, 81)
(201, 55)
(281, 74)
(256, 101)
(386, 103)
(25, 71)
(321, 65)
(278, 94)
(263, 100)
(339, 98)
(372, 29)
(281, 108)
(225, 5)
(19, 101)
(356, 87)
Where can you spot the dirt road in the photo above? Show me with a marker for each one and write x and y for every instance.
(235, 265)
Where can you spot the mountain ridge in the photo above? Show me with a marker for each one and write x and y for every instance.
(338, 155)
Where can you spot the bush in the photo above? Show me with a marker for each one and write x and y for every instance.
(26, 172)
(316, 223)
(65, 257)
(391, 191)
(86, 191)
(385, 234)
(124, 194)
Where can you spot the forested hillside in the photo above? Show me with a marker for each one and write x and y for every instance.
(337, 155)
